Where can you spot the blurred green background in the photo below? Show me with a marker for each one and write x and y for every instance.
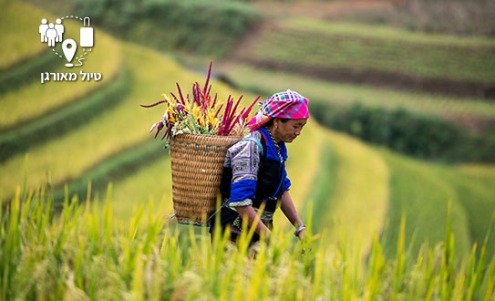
(402, 101)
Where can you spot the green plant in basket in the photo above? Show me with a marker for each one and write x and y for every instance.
(200, 113)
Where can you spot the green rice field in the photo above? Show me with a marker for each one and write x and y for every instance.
(251, 78)
(360, 47)
(86, 211)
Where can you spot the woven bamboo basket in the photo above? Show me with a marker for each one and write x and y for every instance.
(197, 165)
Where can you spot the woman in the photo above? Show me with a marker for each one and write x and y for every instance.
(254, 177)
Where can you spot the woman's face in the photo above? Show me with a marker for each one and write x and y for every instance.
(287, 131)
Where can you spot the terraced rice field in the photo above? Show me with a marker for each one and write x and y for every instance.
(358, 179)
(120, 130)
(16, 49)
(381, 221)
(339, 45)
(34, 100)
(339, 94)
(113, 132)
(407, 193)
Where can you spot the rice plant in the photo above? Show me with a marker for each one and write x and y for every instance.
(79, 254)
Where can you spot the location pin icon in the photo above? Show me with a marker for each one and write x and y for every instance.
(69, 47)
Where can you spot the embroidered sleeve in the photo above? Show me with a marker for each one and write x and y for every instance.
(244, 158)
(246, 202)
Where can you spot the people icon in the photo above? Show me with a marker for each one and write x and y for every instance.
(42, 30)
(51, 33)
(60, 30)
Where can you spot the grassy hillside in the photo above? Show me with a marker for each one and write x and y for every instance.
(338, 94)
(474, 189)
(418, 191)
(15, 48)
(386, 226)
(422, 198)
(101, 137)
(356, 208)
(459, 129)
(341, 45)
(34, 100)
(429, 195)
(98, 155)
(99, 149)
(466, 18)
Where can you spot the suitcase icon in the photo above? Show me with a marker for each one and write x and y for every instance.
(86, 34)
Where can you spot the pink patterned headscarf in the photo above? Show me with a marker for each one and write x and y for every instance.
(285, 105)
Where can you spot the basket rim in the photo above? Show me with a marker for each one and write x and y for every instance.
(205, 135)
(206, 139)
